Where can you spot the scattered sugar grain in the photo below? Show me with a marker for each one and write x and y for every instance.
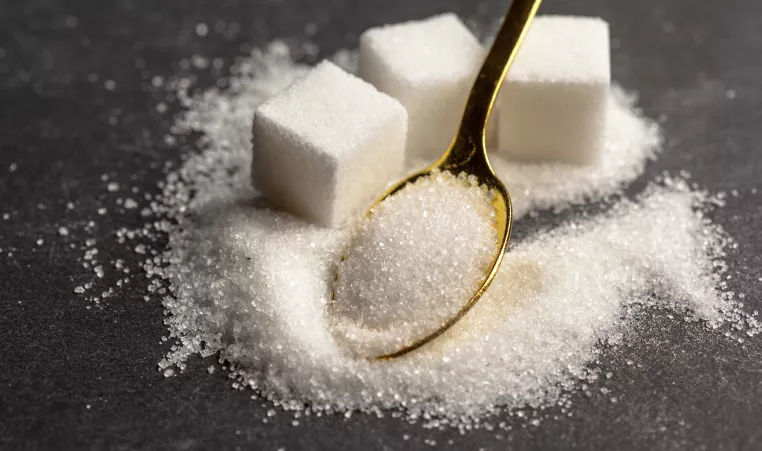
(199, 62)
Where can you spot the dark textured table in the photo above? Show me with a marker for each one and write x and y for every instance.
(78, 378)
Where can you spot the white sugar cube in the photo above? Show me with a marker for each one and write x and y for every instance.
(327, 146)
(553, 104)
(429, 66)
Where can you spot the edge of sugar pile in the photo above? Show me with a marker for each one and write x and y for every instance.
(212, 179)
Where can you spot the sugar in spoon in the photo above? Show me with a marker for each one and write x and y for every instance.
(467, 154)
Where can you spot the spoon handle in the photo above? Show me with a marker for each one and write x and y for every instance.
(484, 92)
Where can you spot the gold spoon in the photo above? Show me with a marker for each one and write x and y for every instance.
(468, 152)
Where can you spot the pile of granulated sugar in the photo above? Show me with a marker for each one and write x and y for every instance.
(394, 288)
(254, 284)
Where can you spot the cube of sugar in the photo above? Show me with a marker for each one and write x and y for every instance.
(553, 103)
(327, 146)
(429, 66)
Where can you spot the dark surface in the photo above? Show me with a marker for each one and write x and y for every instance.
(79, 378)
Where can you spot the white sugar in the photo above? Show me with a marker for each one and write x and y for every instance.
(429, 66)
(572, 49)
(630, 142)
(394, 288)
(554, 102)
(254, 284)
(268, 276)
(327, 146)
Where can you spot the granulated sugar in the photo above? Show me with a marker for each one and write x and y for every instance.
(254, 284)
(395, 288)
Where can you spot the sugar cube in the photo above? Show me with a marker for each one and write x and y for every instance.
(553, 104)
(429, 66)
(324, 148)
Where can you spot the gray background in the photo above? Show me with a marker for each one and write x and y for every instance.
(687, 389)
